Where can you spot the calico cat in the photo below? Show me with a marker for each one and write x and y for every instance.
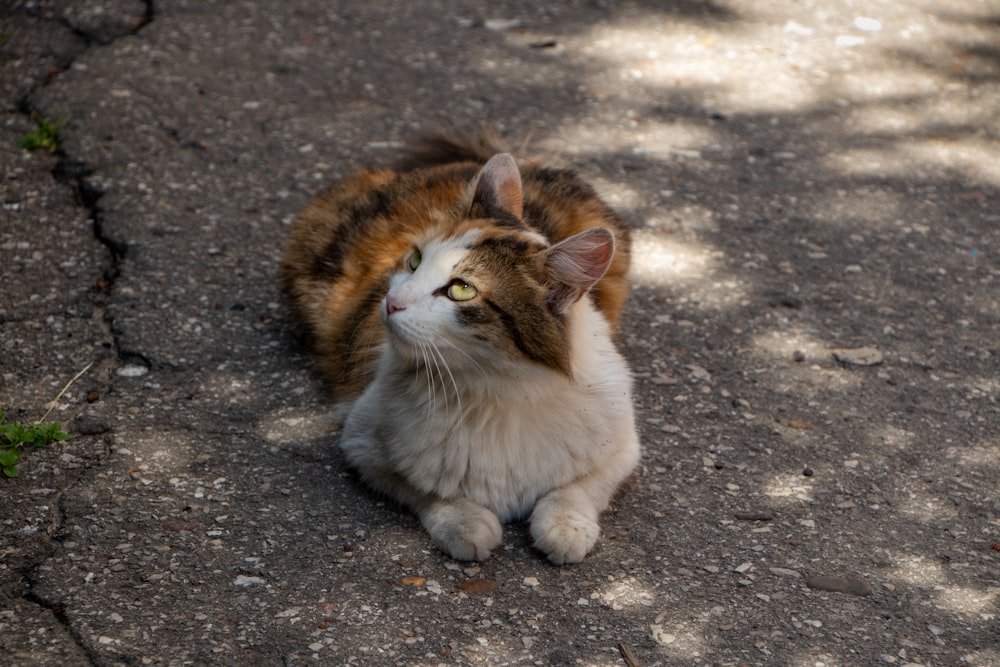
(464, 311)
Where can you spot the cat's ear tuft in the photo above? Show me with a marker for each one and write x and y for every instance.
(571, 267)
(498, 189)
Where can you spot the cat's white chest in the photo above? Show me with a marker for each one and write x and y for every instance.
(505, 454)
(501, 440)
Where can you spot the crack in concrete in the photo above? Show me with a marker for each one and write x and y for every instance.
(75, 174)
(59, 613)
(96, 36)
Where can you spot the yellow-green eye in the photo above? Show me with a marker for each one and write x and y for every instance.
(413, 261)
(459, 291)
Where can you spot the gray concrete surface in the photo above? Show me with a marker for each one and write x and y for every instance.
(802, 177)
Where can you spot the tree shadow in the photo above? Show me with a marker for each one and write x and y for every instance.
(772, 234)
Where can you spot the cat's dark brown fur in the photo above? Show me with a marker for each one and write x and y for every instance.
(346, 244)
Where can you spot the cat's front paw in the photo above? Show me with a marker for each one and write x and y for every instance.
(563, 533)
(463, 529)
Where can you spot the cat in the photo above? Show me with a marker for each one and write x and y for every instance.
(463, 310)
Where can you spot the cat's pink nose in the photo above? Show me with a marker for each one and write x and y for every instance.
(392, 305)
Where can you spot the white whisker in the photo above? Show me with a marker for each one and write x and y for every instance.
(435, 356)
(466, 355)
(431, 384)
(444, 362)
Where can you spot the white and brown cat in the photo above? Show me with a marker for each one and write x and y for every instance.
(464, 310)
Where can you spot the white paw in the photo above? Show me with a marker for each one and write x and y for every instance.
(463, 529)
(563, 534)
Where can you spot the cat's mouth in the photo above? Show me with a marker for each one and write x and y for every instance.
(413, 343)
(400, 336)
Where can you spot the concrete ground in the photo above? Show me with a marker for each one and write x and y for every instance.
(814, 327)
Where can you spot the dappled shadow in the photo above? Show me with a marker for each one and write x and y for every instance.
(790, 194)
(857, 213)
(692, 10)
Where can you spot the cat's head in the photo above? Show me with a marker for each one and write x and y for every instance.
(490, 290)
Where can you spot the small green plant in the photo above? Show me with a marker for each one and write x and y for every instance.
(14, 436)
(45, 135)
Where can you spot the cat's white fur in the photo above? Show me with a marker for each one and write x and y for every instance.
(474, 438)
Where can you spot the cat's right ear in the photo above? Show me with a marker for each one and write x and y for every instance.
(571, 267)
(498, 189)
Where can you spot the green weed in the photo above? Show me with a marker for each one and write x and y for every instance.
(14, 436)
(45, 135)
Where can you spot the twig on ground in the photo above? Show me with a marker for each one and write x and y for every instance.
(54, 401)
(627, 655)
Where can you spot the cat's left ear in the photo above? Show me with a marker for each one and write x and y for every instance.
(573, 266)
(498, 189)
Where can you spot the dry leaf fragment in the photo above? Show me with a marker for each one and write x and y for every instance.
(176, 525)
(834, 584)
(416, 582)
(478, 586)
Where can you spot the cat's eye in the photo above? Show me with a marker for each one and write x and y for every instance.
(413, 261)
(460, 291)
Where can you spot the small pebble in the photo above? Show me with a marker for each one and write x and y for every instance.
(501, 25)
(859, 356)
(867, 24)
(784, 572)
(849, 40)
(242, 580)
(661, 637)
(797, 29)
